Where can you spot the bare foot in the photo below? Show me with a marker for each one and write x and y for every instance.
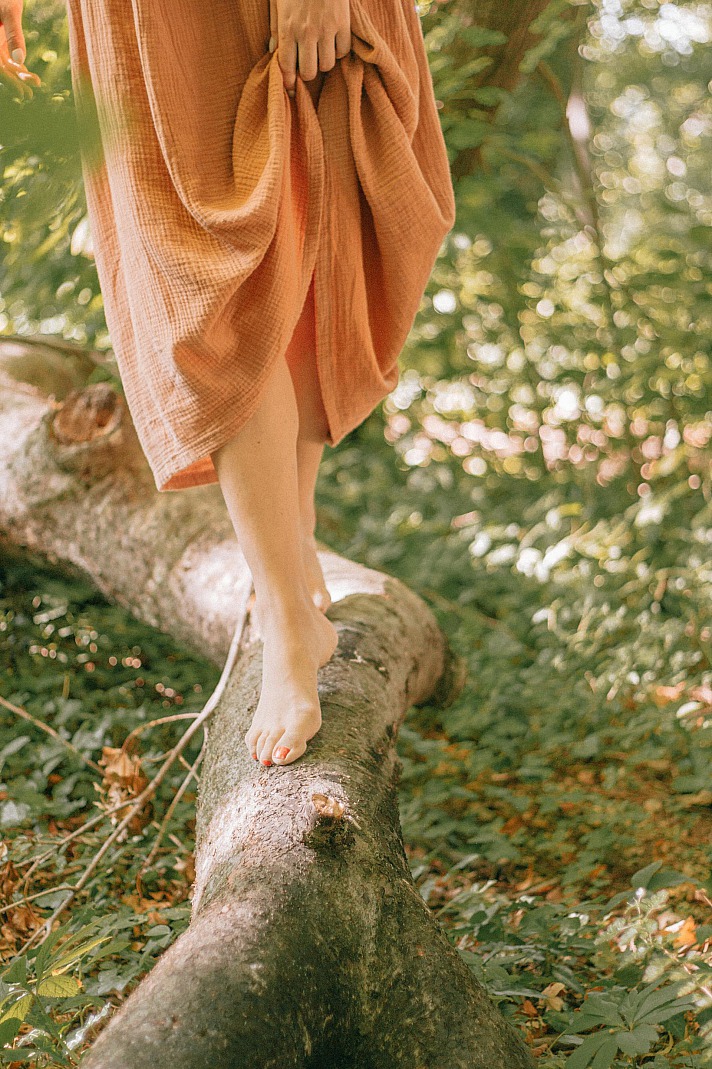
(288, 714)
(315, 576)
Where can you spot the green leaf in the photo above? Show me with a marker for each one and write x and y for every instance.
(680, 1006)
(8, 1030)
(44, 952)
(19, 1009)
(639, 1041)
(653, 878)
(653, 998)
(17, 973)
(606, 1053)
(158, 930)
(58, 987)
(481, 37)
(583, 1055)
(469, 133)
(596, 1011)
(67, 958)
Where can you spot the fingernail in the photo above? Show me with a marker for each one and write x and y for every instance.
(17, 55)
(272, 44)
(281, 753)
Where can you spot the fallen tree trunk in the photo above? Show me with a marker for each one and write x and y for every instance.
(309, 944)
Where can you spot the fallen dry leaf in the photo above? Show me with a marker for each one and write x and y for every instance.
(123, 779)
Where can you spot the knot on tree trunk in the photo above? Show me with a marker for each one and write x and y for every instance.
(87, 414)
(90, 430)
(331, 825)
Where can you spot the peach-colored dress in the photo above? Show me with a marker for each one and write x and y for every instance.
(218, 200)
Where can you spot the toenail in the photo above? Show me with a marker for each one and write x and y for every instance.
(266, 762)
(281, 753)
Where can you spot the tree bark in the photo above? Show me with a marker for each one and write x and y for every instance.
(514, 21)
(309, 945)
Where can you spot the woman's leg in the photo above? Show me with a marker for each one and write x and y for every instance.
(257, 471)
(313, 426)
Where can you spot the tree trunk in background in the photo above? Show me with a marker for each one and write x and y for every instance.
(514, 21)
(309, 945)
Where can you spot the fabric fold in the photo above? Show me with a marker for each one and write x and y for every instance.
(218, 198)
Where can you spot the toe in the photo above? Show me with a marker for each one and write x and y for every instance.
(288, 749)
(265, 753)
(251, 743)
(259, 745)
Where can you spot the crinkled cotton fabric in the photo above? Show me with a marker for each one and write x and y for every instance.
(218, 200)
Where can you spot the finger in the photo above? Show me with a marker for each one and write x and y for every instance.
(343, 43)
(12, 24)
(307, 54)
(19, 90)
(327, 56)
(288, 60)
(26, 77)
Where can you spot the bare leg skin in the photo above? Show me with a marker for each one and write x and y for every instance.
(312, 434)
(258, 475)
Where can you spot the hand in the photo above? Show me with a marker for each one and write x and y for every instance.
(310, 34)
(13, 71)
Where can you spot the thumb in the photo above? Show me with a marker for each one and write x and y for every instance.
(12, 24)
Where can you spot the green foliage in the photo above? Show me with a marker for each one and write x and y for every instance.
(48, 281)
(40, 996)
(43, 989)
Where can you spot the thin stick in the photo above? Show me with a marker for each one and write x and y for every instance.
(153, 786)
(169, 812)
(37, 894)
(154, 723)
(74, 835)
(50, 731)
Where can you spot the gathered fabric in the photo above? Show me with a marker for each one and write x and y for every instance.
(216, 200)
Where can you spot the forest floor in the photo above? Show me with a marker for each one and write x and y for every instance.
(557, 817)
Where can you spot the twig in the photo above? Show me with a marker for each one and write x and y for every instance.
(36, 862)
(50, 731)
(72, 836)
(151, 788)
(169, 813)
(37, 894)
(154, 723)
